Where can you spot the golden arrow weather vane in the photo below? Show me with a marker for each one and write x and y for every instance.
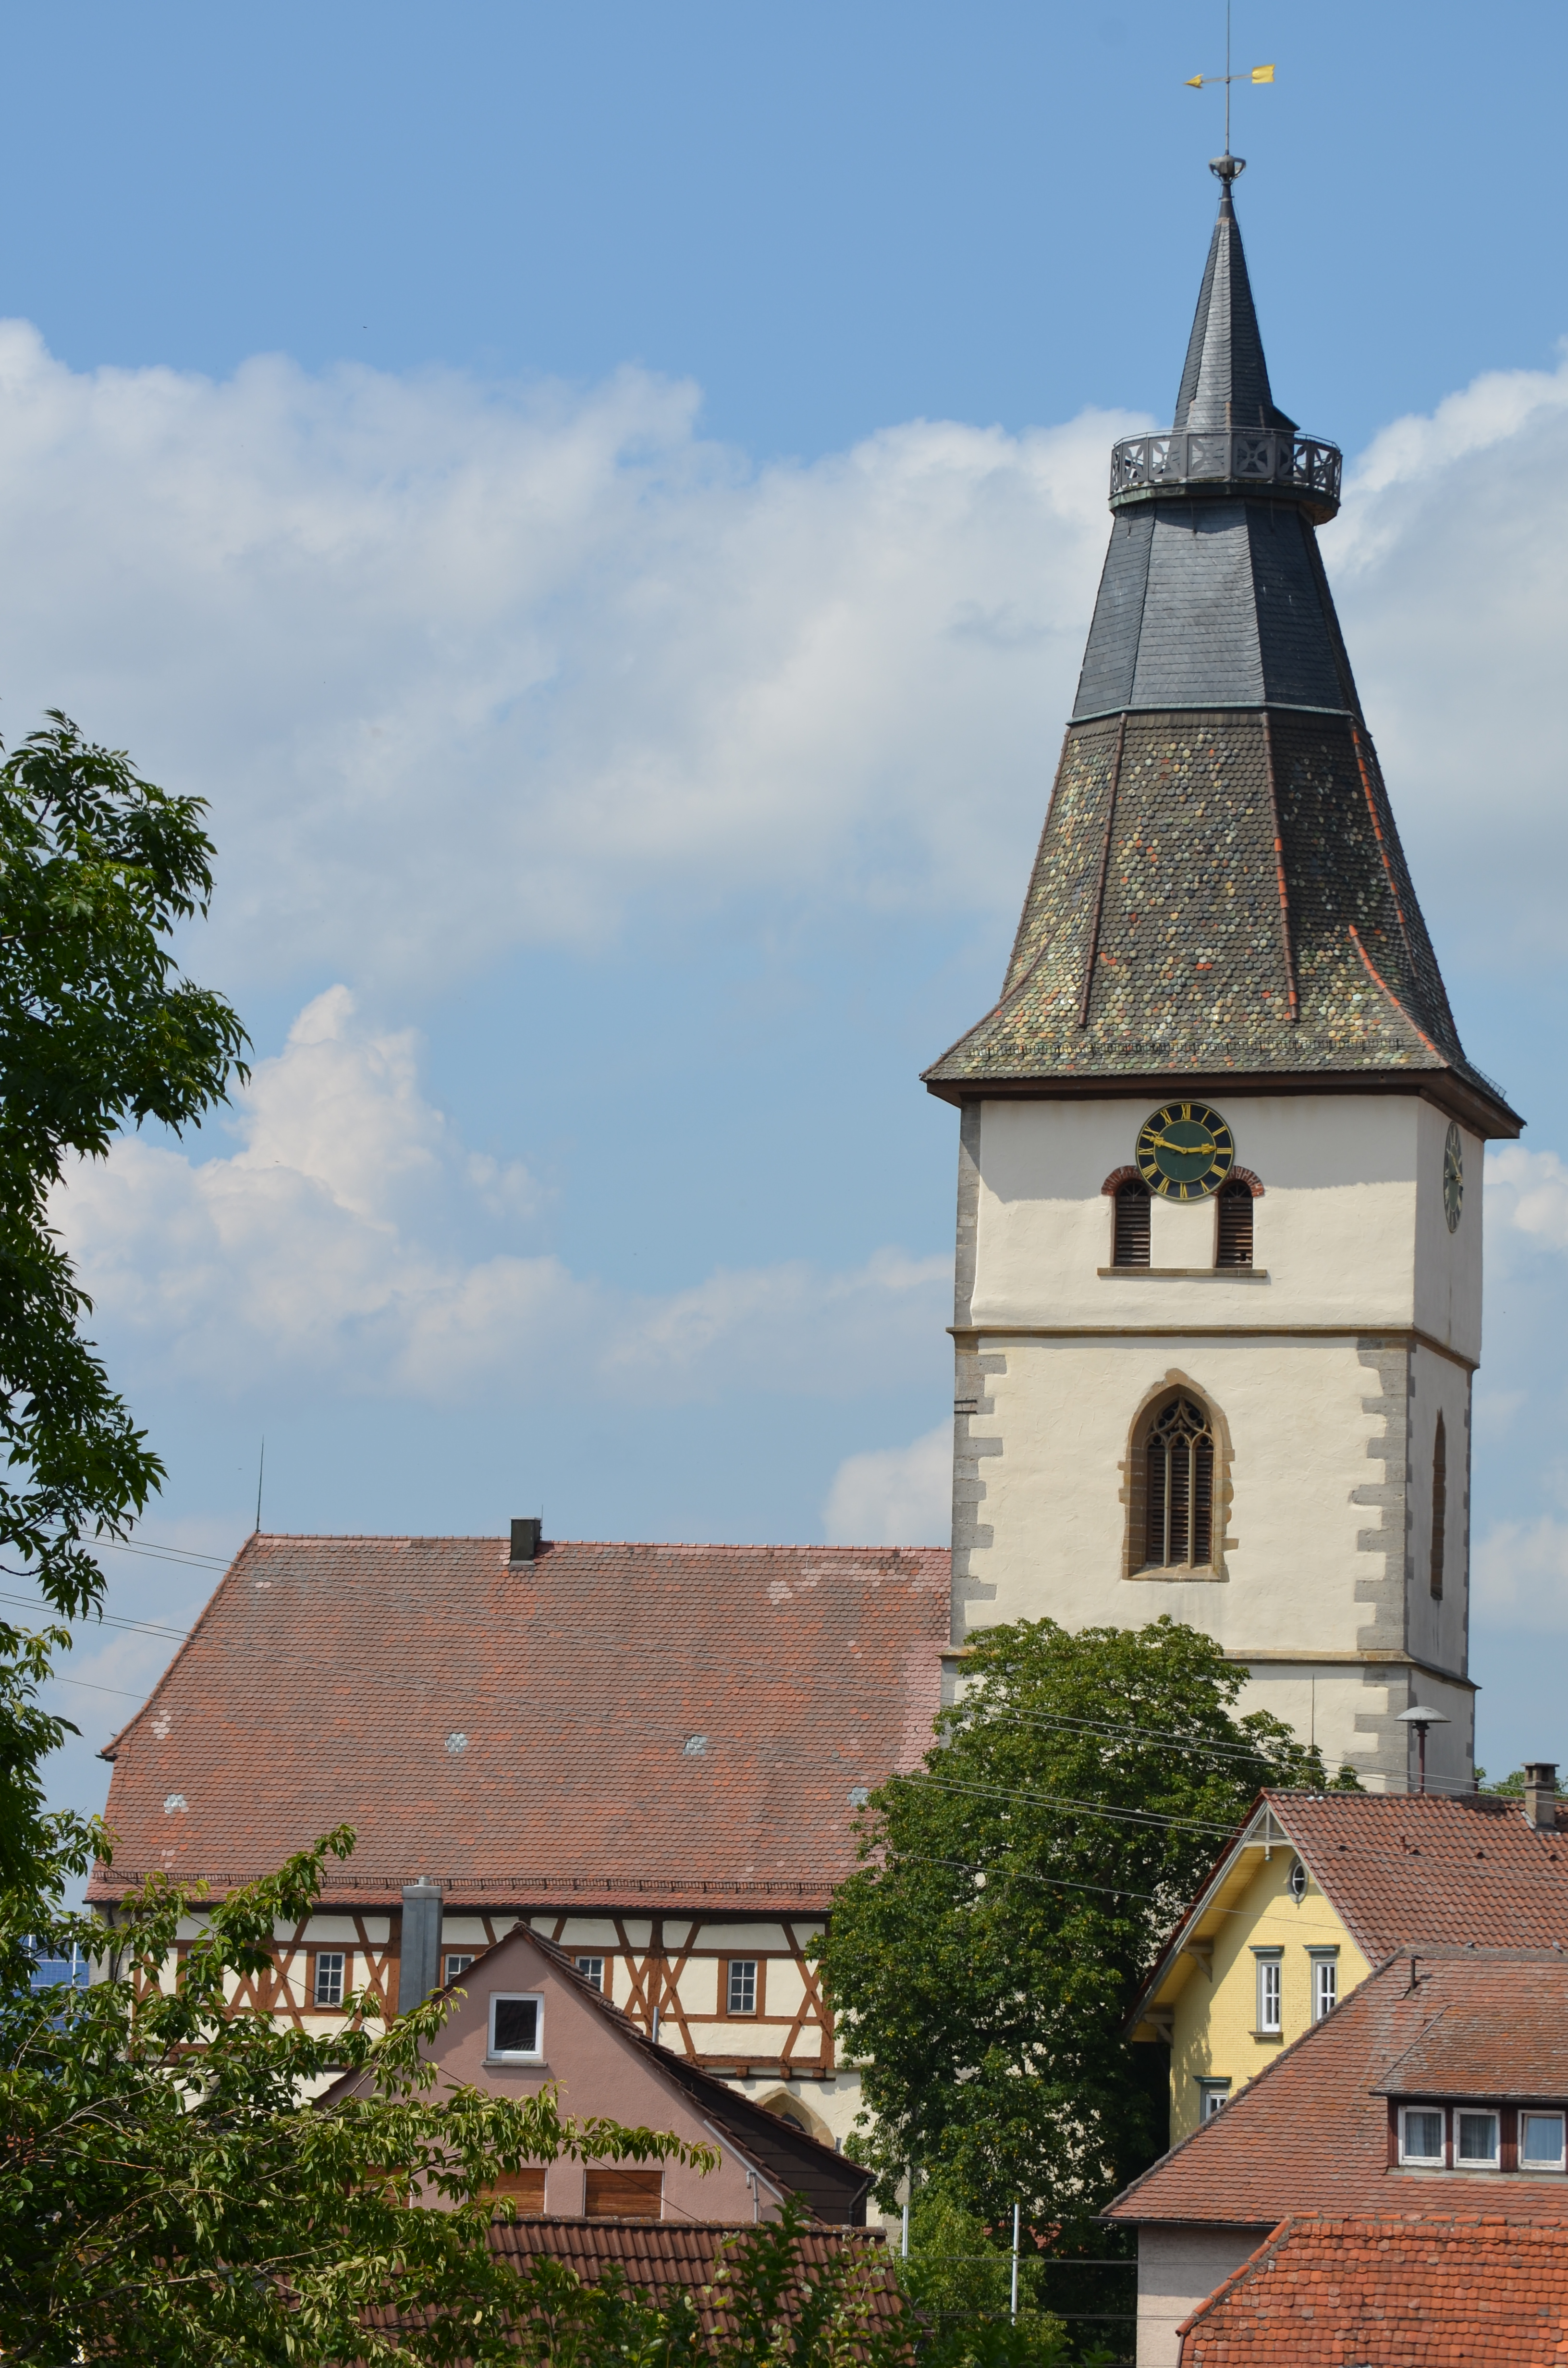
(1204, 82)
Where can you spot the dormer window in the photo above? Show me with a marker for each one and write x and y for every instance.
(1475, 2140)
(1421, 2136)
(1541, 2141)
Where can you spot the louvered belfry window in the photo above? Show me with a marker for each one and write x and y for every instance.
(1233, 1241)
(1179, 1502)
(1131, 1225)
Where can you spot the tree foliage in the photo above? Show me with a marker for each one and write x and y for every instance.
(1014, 1890)
(98, 1030)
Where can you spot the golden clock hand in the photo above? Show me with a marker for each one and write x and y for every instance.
(1187, 1150)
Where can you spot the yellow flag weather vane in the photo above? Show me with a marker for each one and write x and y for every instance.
(1204, 82)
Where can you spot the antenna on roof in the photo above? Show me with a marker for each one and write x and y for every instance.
(1227, 165)
(260, 1469)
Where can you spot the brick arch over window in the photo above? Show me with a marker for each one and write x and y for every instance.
(1177, 1485)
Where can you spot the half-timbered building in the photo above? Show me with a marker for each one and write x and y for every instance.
(652, 1754)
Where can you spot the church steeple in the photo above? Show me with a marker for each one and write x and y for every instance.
(1225, 381)
(1220, 890)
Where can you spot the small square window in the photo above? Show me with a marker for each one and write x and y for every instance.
(743, 1986)
(1477, 2139)
(1268, 1993)
(592, 1970)
(1541, 2141)
(456, 1963)
(515, 2029)
(1325, 1986)
(1212, 2098)
(330, 1966)
(1420, 2137)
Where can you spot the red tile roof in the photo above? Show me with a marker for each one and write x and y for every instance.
(662, 2257)
(1399, 1868)
(1488, 2293)
(1311, 2132)
(642, 1725)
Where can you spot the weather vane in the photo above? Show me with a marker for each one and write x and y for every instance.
(1202, 82)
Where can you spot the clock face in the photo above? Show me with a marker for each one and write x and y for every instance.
(1453, 1178)
(1186, 1150)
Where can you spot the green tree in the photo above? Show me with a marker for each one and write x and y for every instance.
(1012, 1893)
(98, 1031)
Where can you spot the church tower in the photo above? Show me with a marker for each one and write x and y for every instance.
(1218, 1292)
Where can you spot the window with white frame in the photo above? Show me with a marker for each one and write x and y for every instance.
(592, 1970)
(1325, 1982)
(1475, 2140)
(1421, 2135)
(1212, 2095)
(516, 2028)
(458, 1961)
(1269, 1994)
(331, 1966)
(1541, 2141)
(742, 1990)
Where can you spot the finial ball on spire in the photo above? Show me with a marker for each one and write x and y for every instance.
(1227, 167)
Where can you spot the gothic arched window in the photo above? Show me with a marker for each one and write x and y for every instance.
(1178, 1486)
(1439, 1502)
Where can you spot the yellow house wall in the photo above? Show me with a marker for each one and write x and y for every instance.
(1214, 2026)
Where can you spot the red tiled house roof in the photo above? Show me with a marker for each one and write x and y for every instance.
(1399, 1868)
(662, 2257)
(1391, 2293)
(1311, 2132)
(648, 1726)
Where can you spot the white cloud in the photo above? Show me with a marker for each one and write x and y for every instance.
(1450, 567)
(464, 665)
(323, 1246)
(1527, 1192)
(1521, 1575)
(893, 1496)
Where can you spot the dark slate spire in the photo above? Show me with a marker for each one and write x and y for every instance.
(1220, 892)
(1225, 382)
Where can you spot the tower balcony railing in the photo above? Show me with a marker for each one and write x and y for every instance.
(1197, 461)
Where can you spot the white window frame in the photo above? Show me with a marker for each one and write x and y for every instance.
(1493, 2161)
(534, 2055)
(334, 1957)
(1270, 1975)
(1213, 2096)
(1537, 2170)
(1324, 1966)
(592, 1969)
(1437, 2161)
(456, 1963)
(742, 1965)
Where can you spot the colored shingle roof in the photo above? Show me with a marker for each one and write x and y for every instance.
(1311, 2132)
(646, 1724)
(1220, 891)
(1391, 2293)
(1402, 1868)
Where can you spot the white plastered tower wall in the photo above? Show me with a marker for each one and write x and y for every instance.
(1325, 1368)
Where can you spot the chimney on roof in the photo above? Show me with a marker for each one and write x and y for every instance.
(526, 1538)
(419, 1963)
(1540, 1794)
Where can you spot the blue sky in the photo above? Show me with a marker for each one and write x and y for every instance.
(605, 503)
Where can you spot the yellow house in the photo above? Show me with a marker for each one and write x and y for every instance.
(1316, 1890)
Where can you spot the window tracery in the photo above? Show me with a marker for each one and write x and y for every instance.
(1178, 1486)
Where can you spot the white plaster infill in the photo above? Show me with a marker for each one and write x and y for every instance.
(1183, 1273)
